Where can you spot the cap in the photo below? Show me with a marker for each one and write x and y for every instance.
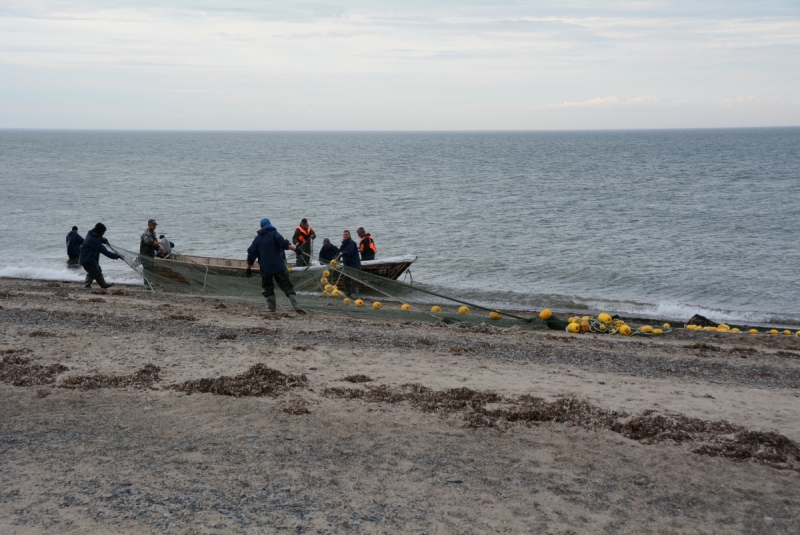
(152, 222)
(326, 240)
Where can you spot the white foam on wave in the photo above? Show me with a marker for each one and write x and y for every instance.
(69, 275)
(676, 311)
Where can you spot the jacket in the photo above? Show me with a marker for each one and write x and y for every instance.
(74, 242)
(268, 248)
(367, 247)
(349, 251)
(326, 255)
(92, 248)
(146, 246)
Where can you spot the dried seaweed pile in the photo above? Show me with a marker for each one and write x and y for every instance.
(144, 378)
(358, 378)
(257, 381)
(714, 438)
(19, 371)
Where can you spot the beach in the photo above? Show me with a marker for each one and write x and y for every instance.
(113, 419)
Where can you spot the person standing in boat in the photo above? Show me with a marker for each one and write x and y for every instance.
(303, 235)
(367, 245)
(74, 242)
(328, 251)
(164, 248)
(268, 248)
(349, 254)
(91, 250)
(147, 248)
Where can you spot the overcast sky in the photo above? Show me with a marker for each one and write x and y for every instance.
(338, 65)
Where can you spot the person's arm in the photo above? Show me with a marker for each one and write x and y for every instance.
(296, 237)
(79, 240)
(313, 235)
(103, 250)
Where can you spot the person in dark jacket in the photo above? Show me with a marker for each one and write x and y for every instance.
(74, 242)
(348, 251)
(328, 251)
(366, 246)
(148, 244)
(91, 250)
(268, 248)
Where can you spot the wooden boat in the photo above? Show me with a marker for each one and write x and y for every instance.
(172, 268)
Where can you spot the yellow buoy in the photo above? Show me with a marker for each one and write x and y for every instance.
(463, 310)
(546, 314)
(335, 292)
(618, 323)
(405, 306)
(624, 330)
(289, 270)
(585, 326)
(602, 327)
(326, 273)
(666, 326)
(436, 309)
(323, 280)
(328, 287)
(376, 305)
(753, 331)
(495, 315)
(773, 331)
(797, 334)
(574, 327)
(359, 303)
(787, 332)
(587, 318)
(605, 318)
(735, 330)
(723, 326)
(647, 329)
(657, 331)
(346, 301)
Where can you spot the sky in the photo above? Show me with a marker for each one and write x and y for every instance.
(411, 65)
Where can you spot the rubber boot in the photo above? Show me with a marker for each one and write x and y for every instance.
(272, 305)
(88, 281)
(295, 304)
(103, 284)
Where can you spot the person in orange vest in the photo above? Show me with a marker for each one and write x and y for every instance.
(367, 245)
(302, 240)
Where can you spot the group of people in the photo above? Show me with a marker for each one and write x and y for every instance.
(268, 248)
(85, 252)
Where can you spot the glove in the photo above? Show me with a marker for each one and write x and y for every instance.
(117, 257)
(248, 272)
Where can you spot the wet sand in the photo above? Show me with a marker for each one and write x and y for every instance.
(536, 431)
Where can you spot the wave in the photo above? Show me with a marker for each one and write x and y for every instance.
(64, 274)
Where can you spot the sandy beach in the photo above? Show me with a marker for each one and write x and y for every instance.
(114, 419)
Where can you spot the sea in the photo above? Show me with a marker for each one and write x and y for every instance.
(655, 223)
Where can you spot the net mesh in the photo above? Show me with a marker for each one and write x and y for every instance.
(320, 288)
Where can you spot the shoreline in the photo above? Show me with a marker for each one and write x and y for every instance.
(541, 428)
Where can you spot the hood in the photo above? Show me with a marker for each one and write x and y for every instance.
(264, 230)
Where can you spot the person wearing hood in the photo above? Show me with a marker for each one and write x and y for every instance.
(328, 251)
(349, 255)
(268, 248)
(74, 242)
(91, 250)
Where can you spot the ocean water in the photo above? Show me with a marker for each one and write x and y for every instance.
(664, 223)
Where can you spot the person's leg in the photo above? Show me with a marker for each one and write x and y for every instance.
(101, 280)
(148, 269)
(285, 284)
(89, 278)
(268, 291)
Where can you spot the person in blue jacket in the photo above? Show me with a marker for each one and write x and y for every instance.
(90, 256)
(268, 248)
(348, 252)
(328, 251)
(74, 242)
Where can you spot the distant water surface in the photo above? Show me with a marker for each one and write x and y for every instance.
(661, 223)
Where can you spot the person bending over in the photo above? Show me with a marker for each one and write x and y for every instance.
(91, 250)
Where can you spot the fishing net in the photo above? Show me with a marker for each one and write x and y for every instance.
(321, 288)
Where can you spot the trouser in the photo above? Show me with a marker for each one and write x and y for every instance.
(268, 288)
(148, 268)
(303, 254)
(73, 262)
(94, 273)
(368, 256)
(350, 287)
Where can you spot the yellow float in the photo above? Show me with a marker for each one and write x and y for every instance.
(335, 292)
(574, 328)
(657, 331)
(359, 303)
(494, 315)
(735, 330)
(436, 309)
(753, 331)
(328, 288)
(405, 306)
(346, 302)
(376, 305)
(323, 280)
(326, 273)
(463, 310)
(605, 318)
(773, 331)
(647, 329)
(546, 314)
(666, 326)
(624, 330)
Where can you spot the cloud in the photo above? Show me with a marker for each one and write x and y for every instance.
(616, 102)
